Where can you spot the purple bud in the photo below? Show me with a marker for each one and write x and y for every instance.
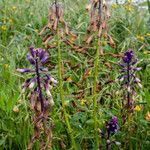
(137, 79)
(112, 126)
(32, 51)
(31, 59)
(128, 88)
(46, 56)
(134, 62)
(32, 83)
(121, 65)
(128, 56)
(41, 54)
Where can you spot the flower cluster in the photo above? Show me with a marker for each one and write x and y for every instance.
(112, 128)
(40, 79)
(128, 75)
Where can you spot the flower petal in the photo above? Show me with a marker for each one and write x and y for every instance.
(51, 79)
(46, 56)
(44, 69)
(41, 53)
(24, 70)
(32, 83)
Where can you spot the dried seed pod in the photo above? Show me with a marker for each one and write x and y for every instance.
(55, 24)
(111, 42)
(66, 29)
(55, 21)
(100, 32)
(88, 7)
(104, 25)
(60, 13)
(51, 15)
(98, 21)
(47, 40)
(107, 11)
(89, 39)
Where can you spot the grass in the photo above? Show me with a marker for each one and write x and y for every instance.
(20, 22)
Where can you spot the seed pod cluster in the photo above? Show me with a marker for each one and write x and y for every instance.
(100, 14)
(56, 21)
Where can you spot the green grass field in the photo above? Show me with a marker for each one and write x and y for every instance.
(20, 24)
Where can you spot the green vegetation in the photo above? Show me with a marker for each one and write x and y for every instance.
(20, 24)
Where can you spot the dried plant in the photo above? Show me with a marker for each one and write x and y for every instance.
(55, 21)
(41, 100)
(98, 27)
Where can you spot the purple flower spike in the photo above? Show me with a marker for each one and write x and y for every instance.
(37, 57)
(112, 126)
(128, 56)
(128, 76)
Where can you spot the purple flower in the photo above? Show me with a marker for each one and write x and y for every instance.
(111, 128)
(37, 53)
(112, 125)
(128, 75)
(41, 79)
(128, 56)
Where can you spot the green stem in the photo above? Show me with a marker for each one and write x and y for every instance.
(69, 130)
(96, 64)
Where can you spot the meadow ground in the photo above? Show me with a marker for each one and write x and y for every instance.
(20, 24)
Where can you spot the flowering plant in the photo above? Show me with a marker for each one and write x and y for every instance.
(111, 128)
(128, 76)
(40, 96)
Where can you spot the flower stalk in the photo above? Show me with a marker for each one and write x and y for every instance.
(69, 130)
(96, 64)
(97, 30)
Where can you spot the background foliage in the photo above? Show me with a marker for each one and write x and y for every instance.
(20, 22)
